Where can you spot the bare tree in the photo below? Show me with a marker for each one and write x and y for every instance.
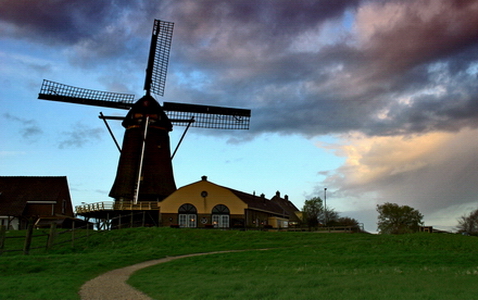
(469, 223)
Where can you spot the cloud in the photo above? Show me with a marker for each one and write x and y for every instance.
(29, 128)
(401, 35)
(305, 67)
(79, 136)
(63, 21)
(365, 80)
(430, 171)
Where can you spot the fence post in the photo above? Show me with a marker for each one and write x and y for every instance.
(51, 236)
(28, 239)
(3, 231)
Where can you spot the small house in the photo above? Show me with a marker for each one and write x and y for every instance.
(37, 199)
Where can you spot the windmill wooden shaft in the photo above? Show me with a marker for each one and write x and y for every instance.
(145, 171)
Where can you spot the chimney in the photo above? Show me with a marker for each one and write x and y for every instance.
(204, 178)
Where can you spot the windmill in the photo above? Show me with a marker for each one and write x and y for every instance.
(145, 170)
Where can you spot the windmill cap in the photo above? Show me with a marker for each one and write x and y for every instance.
(144, 107)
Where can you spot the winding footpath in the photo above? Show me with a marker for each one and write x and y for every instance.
(112, 285)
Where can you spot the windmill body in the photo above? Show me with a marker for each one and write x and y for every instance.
(156, 180)
(145, 171)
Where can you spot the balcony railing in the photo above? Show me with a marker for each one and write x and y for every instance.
(116, 205)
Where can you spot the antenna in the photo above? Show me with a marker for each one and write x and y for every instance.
(158, 59)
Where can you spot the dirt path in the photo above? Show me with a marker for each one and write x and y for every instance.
(112, 285)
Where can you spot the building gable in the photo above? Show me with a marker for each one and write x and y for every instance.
(204, 195)
(287, 205)
(28, 195)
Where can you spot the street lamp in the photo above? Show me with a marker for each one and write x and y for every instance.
(325, 205)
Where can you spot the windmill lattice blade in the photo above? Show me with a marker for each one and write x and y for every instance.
(158, 57)
(55, 91)
(206, 116)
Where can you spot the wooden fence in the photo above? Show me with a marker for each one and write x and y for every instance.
(33, 239)
(45, 239)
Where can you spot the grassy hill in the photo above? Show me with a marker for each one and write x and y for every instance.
(297, 265)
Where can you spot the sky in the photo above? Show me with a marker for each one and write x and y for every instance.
(377, 101)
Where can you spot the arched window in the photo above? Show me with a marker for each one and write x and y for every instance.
(220, 216)
(187, 215)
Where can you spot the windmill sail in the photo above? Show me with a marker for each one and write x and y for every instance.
(158, 57)
(206, 116)
(55, 91)
(145, 171)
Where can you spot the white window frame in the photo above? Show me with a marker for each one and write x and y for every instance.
(220, 221)
(187, 220)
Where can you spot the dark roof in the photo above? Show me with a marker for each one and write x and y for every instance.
(260, 203)
(286, 205)
(15, 191)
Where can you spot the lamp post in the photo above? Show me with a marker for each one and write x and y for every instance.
(325, 205)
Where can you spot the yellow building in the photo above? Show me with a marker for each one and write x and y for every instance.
(206, 204)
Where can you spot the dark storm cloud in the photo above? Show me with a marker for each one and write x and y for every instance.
(243, 53)
(420, 37)
(394, 67)
(249, 22)
(94, 32)
(59, 21)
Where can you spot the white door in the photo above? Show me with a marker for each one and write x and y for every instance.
(224, 221)
(220, 221)
(188, 220)
(192, 221)
(183, 220)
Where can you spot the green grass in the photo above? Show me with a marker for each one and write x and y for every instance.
(298, 265)
(305, 273)
(336, 266)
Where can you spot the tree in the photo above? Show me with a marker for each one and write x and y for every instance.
(345, 221)
(397, 219)
(330, 216)
(469, 223)
(314, 213)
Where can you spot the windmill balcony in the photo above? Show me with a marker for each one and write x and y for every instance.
(118, 205)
